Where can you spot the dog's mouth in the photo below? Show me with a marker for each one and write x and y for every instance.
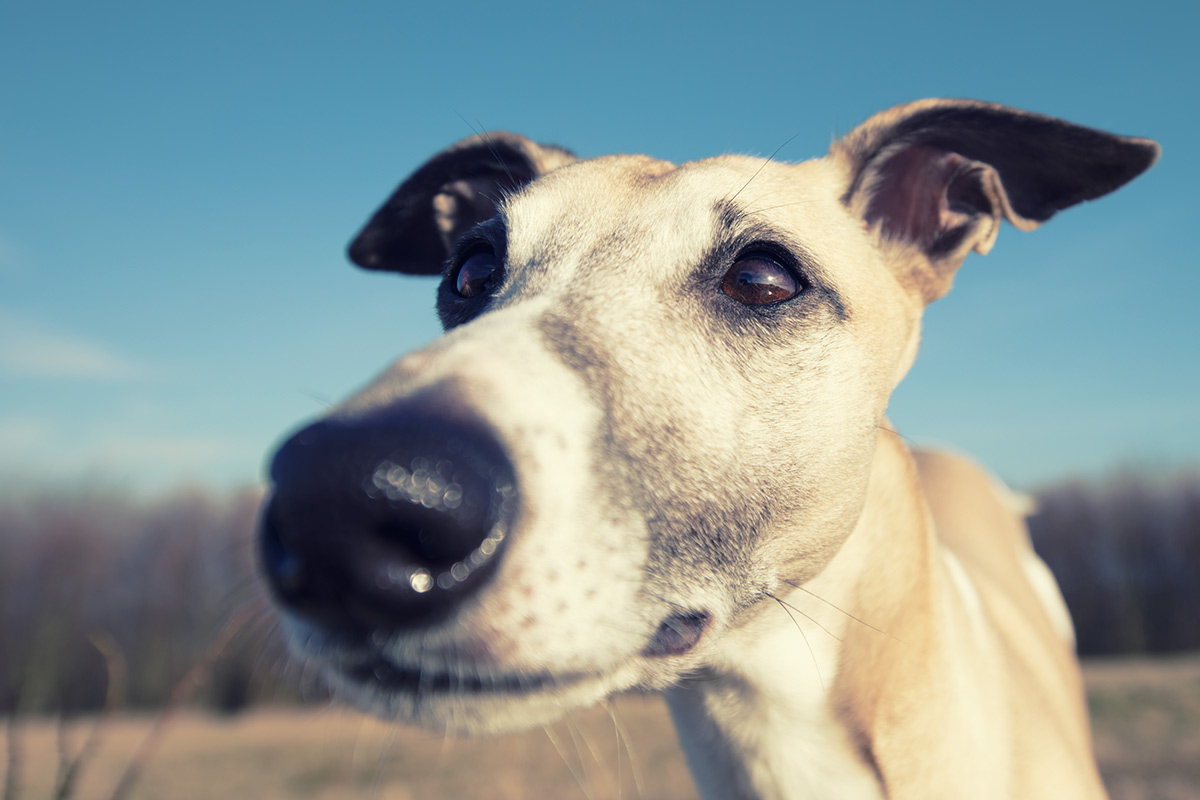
(377, 672)
(677, 635)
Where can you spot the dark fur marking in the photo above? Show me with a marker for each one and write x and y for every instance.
(702, 535)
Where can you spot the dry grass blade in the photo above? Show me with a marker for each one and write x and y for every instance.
(12, 759)
(183, 690)
(117, 671)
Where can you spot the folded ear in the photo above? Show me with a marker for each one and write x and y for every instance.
(462, 185)
(935, 177)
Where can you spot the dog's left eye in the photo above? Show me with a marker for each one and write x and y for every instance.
(756, 279)
(476, 275)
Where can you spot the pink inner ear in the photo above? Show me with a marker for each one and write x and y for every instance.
(909, 197)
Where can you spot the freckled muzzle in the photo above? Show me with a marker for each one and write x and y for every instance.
(384, 523)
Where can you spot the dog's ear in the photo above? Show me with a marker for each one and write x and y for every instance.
(414, 230)
(935, 177)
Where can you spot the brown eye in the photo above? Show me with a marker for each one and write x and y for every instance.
(759, 280)
(476, 274)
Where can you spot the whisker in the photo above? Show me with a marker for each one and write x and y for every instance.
(562, 754)
(617, 734)
(841, 610)
(796, 622)
(578, 735)
(749, 213)
(324, 403)
(447, 749)
(482, 134)
(763, 166)
(897, 434)
(806, 616)
(378, 777)
(625, 739)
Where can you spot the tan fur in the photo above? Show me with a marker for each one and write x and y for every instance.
(952, 685)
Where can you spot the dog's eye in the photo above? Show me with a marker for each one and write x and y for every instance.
(757, 279)
(476, 274)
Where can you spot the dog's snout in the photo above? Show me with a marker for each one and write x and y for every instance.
(379, 524)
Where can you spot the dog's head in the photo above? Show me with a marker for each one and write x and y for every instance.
(657, 401)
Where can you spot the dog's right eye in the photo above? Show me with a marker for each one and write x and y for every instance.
(757, 279)
(476, 274)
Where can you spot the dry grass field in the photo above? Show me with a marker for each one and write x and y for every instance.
(1146, 716)
(1146, 719)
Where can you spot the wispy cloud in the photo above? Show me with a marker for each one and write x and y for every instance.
(21, 434)
(30, 348)
(36, 447)
(175, 451)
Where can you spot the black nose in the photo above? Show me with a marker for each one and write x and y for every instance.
(378, 524)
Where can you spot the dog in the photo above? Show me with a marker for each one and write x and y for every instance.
(651, 451)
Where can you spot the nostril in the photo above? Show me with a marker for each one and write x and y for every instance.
(438, 509)
(677, 634)
(444, 516)
(284, 568)
(385, 524)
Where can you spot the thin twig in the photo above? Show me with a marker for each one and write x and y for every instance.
(12, 775)
(180, 694)
(114, 698)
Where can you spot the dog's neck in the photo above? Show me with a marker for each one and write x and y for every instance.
(780, 713)
(766, 728)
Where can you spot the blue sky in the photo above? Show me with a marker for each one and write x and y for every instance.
(178, 183)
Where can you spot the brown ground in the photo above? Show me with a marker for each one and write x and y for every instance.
(1146, 719)
(1146, 716)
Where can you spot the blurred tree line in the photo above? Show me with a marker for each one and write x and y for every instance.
(97, 585)
(107, 599)
(1126, 553)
